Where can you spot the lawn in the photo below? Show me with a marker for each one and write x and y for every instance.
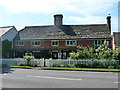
(66, 68)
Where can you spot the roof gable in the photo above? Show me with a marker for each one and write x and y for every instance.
(5, 29)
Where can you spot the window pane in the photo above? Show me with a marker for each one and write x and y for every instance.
(56, 42)
(38, 42)
(74, 42)
(67, 42)
(71, 42)
(102, 41)
(99, 42)
(95, 42)
(52, 42)
(22, 43)
(35, 42)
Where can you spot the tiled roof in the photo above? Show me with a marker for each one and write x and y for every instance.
(64, 32)
(5, 29)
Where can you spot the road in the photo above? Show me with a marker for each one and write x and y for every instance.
(31, 78)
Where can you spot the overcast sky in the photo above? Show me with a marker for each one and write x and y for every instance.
(21, 13)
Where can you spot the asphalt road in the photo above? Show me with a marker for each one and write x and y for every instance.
(30, 78)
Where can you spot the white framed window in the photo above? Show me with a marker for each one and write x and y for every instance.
(19, 43)
(71, 43)
(98, 42)
(35, 43)
(55, 43)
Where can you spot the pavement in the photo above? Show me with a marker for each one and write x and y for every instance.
(32, 78)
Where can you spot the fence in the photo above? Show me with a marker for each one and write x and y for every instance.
(18, 61)
(73, 62)
(50, 62)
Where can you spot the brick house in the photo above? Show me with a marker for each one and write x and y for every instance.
(59, 39)
(116, 40)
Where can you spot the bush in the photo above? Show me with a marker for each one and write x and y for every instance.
(5, 65)
(28, 58)
(66, 65)
(56, 64)
(95, 64)
(35, 65)
(111, 67)
(78, 65)
(21, 64)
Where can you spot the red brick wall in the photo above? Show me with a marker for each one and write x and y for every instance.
(86, 43)
(62, 43)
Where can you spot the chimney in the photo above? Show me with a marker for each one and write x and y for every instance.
(109, 22)
(58, 19)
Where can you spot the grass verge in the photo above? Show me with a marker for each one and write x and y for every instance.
(94, 69)
(65, 68)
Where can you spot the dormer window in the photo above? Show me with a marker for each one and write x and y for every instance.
(19, 43)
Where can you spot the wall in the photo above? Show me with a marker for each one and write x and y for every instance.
(47, 44)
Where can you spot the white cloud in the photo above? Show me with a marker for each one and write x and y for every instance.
(88, 19)
(52, 6)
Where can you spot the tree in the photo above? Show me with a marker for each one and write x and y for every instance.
(7, 51)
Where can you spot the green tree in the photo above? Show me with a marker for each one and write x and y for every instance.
(7, 51)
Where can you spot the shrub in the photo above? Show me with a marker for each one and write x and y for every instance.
(111, 67)
(5, 65)
(56, 64)
(28, 58)
(66, 65)
(102, 52)
(35, 65)
(21, 64)
(78, 65)
(97, 64)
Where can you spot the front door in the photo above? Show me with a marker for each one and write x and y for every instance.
(55, 55)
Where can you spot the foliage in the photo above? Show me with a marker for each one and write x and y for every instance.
(7, 51)
(56, 64)
(78, 65)
(28, 58)
(111, 67)
(65, 65)
(43, 54)
(102, 52)
(83, 53)
(21, 64)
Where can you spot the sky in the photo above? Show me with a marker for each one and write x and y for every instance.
(21, 13)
